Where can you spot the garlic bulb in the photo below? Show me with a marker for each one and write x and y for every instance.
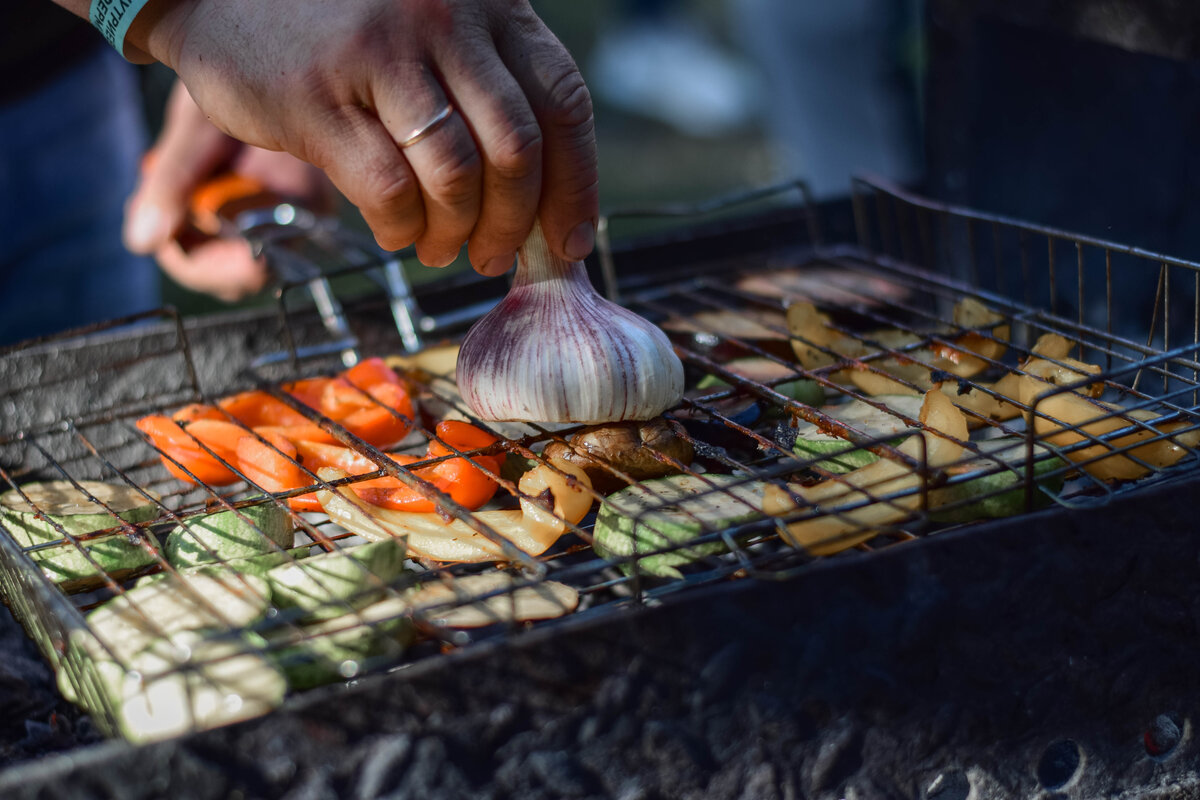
(554, 350)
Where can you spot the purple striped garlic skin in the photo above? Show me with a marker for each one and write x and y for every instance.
(553, 350)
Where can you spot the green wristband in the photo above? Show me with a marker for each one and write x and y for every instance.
(113, 18)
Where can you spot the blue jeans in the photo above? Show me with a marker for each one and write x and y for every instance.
(69, 157)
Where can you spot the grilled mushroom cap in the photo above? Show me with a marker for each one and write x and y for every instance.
(640, 450)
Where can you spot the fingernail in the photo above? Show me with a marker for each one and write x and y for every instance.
(144, 231)
(437, 263)
(498, 265)
(580, 241)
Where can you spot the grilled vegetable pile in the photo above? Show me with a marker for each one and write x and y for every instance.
(322, 554)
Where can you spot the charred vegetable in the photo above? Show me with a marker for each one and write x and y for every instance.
(845, 511)
(992, 484)
(818, 344)
(474, 601)
(1069, 420)
(620, 453)
(330, 584)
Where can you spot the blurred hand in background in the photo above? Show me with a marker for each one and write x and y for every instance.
(190, 151)
(445, 123)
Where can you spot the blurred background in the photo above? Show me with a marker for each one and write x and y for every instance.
(688, 98)
(1078, 114)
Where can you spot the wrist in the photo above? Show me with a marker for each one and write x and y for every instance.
(154, 33)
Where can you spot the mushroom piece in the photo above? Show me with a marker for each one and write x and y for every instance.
(634, 450)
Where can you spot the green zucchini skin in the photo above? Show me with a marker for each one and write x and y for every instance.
(837, 455)
(332, 584)
(670, 511)
(257, 566)
(230, 536)
(1001, 493)
(340, 647)
(64, 505)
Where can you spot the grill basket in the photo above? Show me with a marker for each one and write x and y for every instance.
(1134, 314)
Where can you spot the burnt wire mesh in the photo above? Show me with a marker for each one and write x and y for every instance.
(771, 473)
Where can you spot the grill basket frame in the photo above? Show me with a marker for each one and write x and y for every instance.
(23, 584)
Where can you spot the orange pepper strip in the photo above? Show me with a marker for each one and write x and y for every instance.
(273, 464)
(464, 482)
(176, 443)
(465, 436)
(315, 455)
(195, 411)
(385, 423)
(460, 435)
(255, 408)
(308, 432)
(340, 398)
(307, 391)
(277, 472)
(371, 372)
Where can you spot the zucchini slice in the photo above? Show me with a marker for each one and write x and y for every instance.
(189, 682)
(658, 514)
(55, 504)
(258, 565)
(837, 455)
(330, 584)
(230, 535)
(336, 649)
(218, 598)
(997, 492)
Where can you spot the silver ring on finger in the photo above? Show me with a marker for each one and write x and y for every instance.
(428, 128)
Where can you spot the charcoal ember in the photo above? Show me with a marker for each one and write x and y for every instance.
(720, 675)
(432, 772)
(34, 719)
(784, 436)
(839, 756)
(19, 704)
(382, 766)
(560, 773)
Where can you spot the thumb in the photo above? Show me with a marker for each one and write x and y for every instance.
(187, 152)
(152, 215)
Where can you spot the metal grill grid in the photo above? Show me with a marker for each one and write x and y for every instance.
(897, 279)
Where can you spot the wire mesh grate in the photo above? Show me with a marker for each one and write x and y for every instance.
(846, 400)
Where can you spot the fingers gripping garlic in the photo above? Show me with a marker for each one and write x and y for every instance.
(554, 350)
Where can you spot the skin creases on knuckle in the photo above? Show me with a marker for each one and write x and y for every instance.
(388, 208)
(456, 180)
(581, 195)
(518, 153)
(568, 102)
(389, 189)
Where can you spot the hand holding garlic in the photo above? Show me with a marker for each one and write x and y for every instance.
(554, 350)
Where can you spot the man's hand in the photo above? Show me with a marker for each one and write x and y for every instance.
(189, 152)
(339, 84)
